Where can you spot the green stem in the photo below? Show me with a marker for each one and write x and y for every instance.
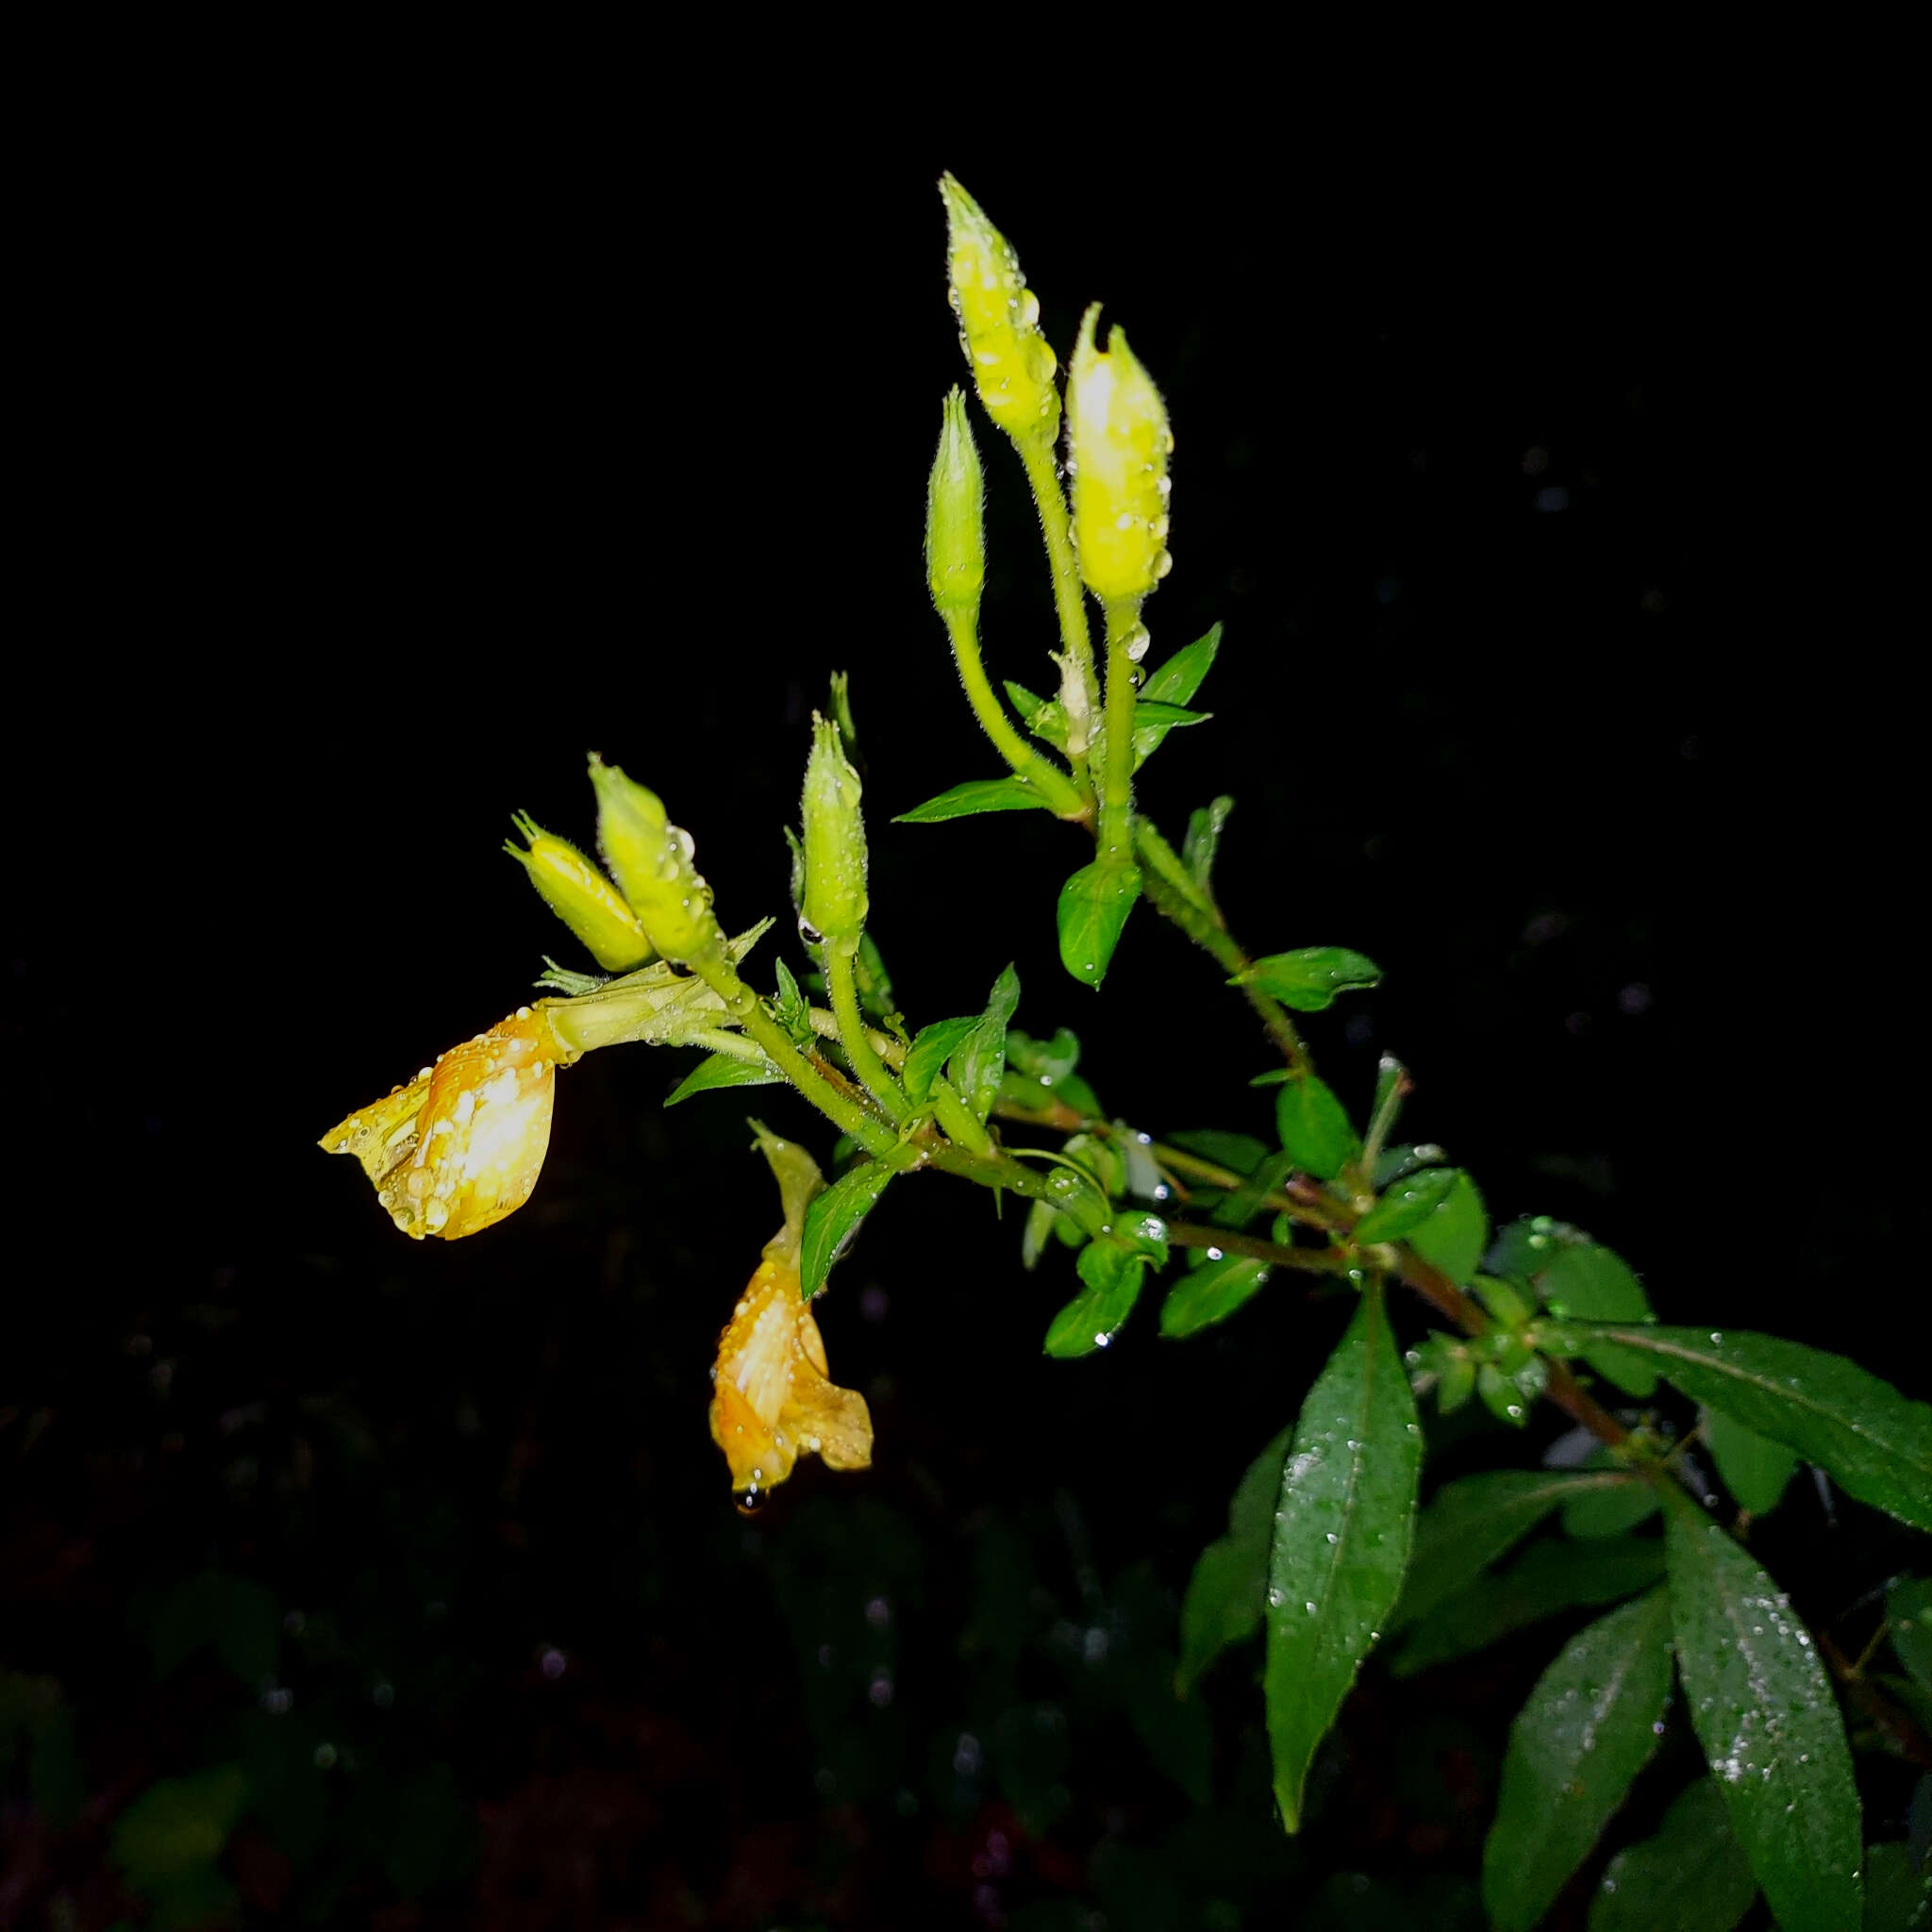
(1117, 780)
(748, 1010)
(854, 1038)
(1069, 601)
(827, 1026)
(1028, 765)
(1187, 1234)
(1323, 1212)
(733, 1046)
(956, 1119)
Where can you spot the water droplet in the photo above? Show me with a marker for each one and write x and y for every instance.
(752, 1498)
(1103, 1341)
(1137, 639)
(1717, 1338)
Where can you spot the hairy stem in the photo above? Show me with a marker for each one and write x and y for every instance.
(1029, 765)
(1069, 600)
(1117, 779)
(854, 1038)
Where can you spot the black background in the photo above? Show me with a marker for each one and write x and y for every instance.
(388, 478)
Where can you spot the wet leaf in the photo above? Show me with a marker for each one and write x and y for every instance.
(1587, 1281)
(1203, 842)
(975, 795)
(1094, 908)
(1473, 1522)
(1314, 1127)
(1898, 1895)
(1754, 1470)
(1045, 717)
(979, 1060)
(832, 1221)
(1342, 1526)
(1765, 1714)
(1407, 1206)
(1309, 979)
(1211, 1293)
(931, 1047)
(1690, 1877)
(1455, 1233)
(724, 1069)
(1178, 678)
(1875, 1443)
(1547, 1579)
(1113, 1272)
(1228, 1589)
(1588, 1728)
(1153, 722)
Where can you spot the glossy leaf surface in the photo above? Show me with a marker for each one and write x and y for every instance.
(1111, 1274)
(1309, 979)
(1455, 1233)
(1228, 1589)
(1593, 1283)
(1094, 908)
(1875, 1443)
(1754, 1469)
(1204, 827)
(1342, 1526)
(1765, 1714)
(1211, 1293)
(1690, 1877)
(975, 795)
(1407, 1205)
(833, 1218)
(724, 1069)
(931, 1047)
(1584, 1732)
(979, 1060)
(1314, 1126)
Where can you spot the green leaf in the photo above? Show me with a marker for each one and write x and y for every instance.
(725, 1070)
(1612, 1510)
(1243, 1153)
(1897, 1898)
(1179, 677)
(1547, 1579)
(1203, 842)
(1113, 1272)
(1229, 1587)
(1407, 1206)
(1045, 717)
(1908, 1610)
(1754, 1470)
(1153, 722)
(1314, 1127)
(1587, 1281)
(1044, 1062)
(1342, 1536)
(1692, 1876)
(832, 1221)
(1211, 1293)
(178, 1827)
(979, 1061)
(1764, 1711)
(1094, 908)
(1473, 1522)
(1588, 1728)
(1456, 1232)
(975, 795)
(931, 1047)
(1876, 1446)
(1309, 979)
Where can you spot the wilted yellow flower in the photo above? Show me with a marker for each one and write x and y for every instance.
(461, 1146)
(773, 1398)
(1119, 439)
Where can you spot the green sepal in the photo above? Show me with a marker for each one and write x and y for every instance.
(1407, 1206)
(724, 1069)
(790, 1008)
(1094, 908)
(1314, 1126)
(1309, 979)
(975, 795)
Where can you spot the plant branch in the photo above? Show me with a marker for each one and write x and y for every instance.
(1029, 765)
(854, 1038)
(1189, 1233)
(1069, 600)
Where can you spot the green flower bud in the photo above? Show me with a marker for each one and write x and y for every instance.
(651, 859)
(1119, 442)
(582, 897)
(955, 516)
(999, 320)
(835, 903)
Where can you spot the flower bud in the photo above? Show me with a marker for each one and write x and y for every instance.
(582, 897)
(955, 516)
(835, 902)
(999, 320)
(650, 858)
(461, 1146)
(1119, 442)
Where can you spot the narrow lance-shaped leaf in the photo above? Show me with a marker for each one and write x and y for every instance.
(1204, 827)
(931, 1046)
(1764, 1711)
(832, 1221)
(1586, 1731)
(1229, 1586)
(1341, 1536)
(975, 795)
(1690, 1877)
(980, 1058)
(1875, 1443)
(1473, 1522)
(725, 1070)
(1178, 678)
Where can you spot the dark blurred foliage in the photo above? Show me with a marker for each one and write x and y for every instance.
(349, 1581)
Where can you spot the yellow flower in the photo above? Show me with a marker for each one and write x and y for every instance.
(1118, 438)
(461, 1146)
(773, 1398)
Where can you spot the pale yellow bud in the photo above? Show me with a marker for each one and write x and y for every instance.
(1118, 442)
(999, 320)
